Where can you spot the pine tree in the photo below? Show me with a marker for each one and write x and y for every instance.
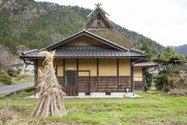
(146, 48)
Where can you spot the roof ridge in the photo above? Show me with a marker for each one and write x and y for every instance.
(100, 9)
(138, 51)
(30, 51)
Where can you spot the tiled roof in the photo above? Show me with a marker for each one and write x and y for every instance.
(87, 52)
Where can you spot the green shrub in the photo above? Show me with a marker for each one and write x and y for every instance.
(18, 71)
(20, 77)
(148, 79)
(11, 72)
(2, 72)
(5, 79)
(29, 89)
(160, 80)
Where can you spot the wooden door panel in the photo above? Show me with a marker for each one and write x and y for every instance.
(138, 85)
(71, 91)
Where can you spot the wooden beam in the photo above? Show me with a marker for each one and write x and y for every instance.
(77, 76)
(35, 75)
(89, 83)
(64, 75)
(118, 73)
(131, 74)
(97, 74)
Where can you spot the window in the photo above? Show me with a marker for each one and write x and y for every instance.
(71, 78)
(107, 93)
(87, 93)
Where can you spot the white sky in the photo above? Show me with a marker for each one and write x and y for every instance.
(164, 21)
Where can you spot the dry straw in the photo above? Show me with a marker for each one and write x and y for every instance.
(51, 97)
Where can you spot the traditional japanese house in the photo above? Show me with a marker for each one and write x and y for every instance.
(97, 60)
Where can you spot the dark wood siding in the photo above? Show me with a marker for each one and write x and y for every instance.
(71, 91)
(104, 84)
(61, 81)
(138, 85)
(98, 22)
(124, 83)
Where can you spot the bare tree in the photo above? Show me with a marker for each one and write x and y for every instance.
(5, 57)
(21, 48)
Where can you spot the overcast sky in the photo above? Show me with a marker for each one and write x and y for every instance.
(164, 21)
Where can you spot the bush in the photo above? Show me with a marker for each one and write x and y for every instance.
(2, 72)
(11, 72)
(160, 80)
(18, 71)
(20, 77)
(166, 78)
(30, 89)
(148, 79)
(5, 79)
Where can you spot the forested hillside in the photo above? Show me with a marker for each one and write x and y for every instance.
(39, 24)
(137, 39)
(180, 49)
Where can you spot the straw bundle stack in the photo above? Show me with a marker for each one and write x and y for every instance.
(50, 101)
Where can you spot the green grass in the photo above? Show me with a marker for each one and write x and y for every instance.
(152, 88)
(149, 109)
(25, 81)
(17, 80)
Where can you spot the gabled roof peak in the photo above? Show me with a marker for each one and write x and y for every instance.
(84, 29)
(98, 19)
(98, 7)
(84, 32)
(98, 4)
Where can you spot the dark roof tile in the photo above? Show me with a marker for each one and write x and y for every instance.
(86, 52)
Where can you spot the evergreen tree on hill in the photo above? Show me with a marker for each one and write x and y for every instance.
(146, 48)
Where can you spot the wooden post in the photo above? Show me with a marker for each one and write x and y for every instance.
(7, 103)
(133, 80)
(90, 86)
(35, 75)
(118, 74)
(19, 107)
(77, 89)
(64, 75)
(97, 74)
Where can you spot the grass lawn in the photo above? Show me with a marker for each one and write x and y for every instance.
(25, 81)
(149, 109)
(17, 80)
